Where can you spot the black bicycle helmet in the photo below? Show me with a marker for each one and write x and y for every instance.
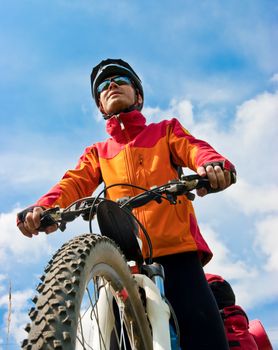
(110, 67)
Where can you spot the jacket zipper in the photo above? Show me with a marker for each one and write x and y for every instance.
(128, 157)
(131, 173)
(122, 125)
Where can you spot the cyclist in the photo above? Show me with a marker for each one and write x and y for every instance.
(148, 155)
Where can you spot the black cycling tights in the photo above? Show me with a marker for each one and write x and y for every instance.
(186, 288)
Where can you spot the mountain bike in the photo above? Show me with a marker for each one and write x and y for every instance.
(97, 291)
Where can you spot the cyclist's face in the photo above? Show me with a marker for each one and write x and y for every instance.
(117, 98)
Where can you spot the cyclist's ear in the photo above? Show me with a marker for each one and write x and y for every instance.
(139, 99)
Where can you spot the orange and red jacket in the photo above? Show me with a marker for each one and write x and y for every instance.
(143, 155)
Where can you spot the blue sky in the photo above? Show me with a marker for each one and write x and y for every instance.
(212, 64)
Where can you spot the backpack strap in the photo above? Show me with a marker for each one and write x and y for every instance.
(226, 314)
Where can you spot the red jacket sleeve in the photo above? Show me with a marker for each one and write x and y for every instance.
(187, 151)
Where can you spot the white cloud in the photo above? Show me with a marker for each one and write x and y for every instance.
(14, 247)
(267, 241)
(248, 292)
(250, 142)
(274, 78)
(18, 323)
(178, 108)
(254, 198)
(256, 122)
(214, 91)
(29, 169)
(273, 335)
(2, 278)
(18, 314)
(223, 262)
(244, 276)
(39, 167)
(18, 299)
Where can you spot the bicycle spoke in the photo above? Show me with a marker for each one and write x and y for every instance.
(122, 337)
(81, 330)
(83, 318)
(83, 347)
(114, 326)
(95, 312)
(93, 318)
(132, 335)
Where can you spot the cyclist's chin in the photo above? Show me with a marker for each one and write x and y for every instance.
(117, 104)
(117, 109)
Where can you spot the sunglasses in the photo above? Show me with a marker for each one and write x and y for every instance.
(118, 80)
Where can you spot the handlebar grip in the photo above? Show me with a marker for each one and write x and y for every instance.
(233, 177)
(46, 220)
(204, 182)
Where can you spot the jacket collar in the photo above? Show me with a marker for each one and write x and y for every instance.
(124, 127)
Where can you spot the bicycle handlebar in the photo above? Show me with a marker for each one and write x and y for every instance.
(86, 207)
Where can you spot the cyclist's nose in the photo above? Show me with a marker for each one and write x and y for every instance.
(112, 84)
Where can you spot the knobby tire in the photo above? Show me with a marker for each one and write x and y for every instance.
(80, 270)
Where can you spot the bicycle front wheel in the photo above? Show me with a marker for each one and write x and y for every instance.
(88, 299)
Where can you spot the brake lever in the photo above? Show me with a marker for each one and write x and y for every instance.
(56, 216)
(50, 217)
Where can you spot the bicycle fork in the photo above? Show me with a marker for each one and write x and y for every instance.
(158, 311)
